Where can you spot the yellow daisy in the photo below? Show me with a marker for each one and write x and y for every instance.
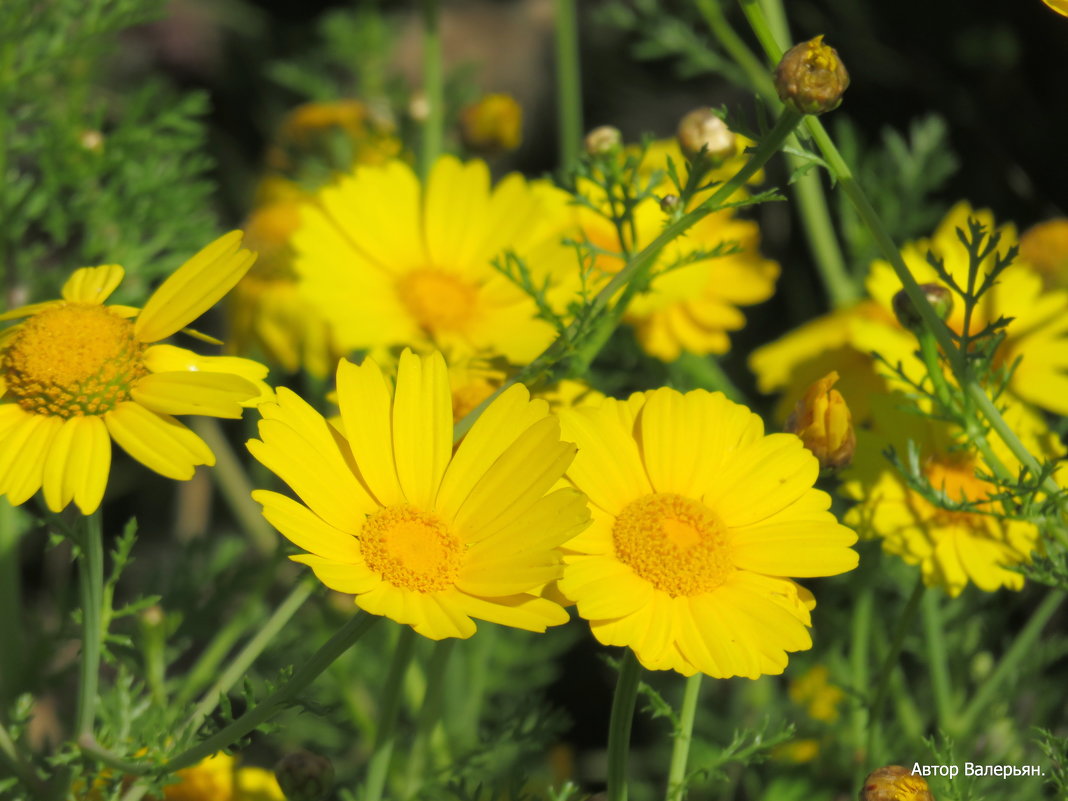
(689, 308)
(1037, 335)
(422, 535)
(698, 520)
(75, 371)
(951, 547)
(390, 262)
(1045, 248)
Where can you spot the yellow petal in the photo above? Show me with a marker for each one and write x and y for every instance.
(209, 394)
(194, 288)
(343, 577)
(422, 426)
(307, 530)
(93, 284)
(608, 467)
(496, 429)
(364, 399)
(27, 311)
(26, 444)
(77, 465)
(168, 358)
(527, 612)
(456, 203)
(157, 441)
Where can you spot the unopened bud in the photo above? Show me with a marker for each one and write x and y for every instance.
(811, 78)
(492, 125)
(895, 783)
(669, 203)
(823, 422)
(91, 140)
(304, 776)
(702, 128)
(603, 139)
(909, 316)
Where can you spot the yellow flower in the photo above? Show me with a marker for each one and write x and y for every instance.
(211, 779)
(1045, 247)
(698, 520)
(1038, 333)
(389, 262)
(798, 751)
(312, 126)
(823, 422)
(256, 784)
(794, 361)
(952, 547)
(266, 310)
(75, 371)
(1060, 6)
(492, 124)
(819, 697)
(687, 308)
(417, 533)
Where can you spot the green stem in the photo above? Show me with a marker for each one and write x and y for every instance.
(429, 714)
(860, 649)
(1019, 651)
(378, 767)
(641, 261)
(243, 661)
(937, 659)
(91, 590)
(11, 614)
(568, 83)
(680, 749)
(620, 724)
(234, 484)
(434, 87)
(344, 639)
(22, 770)
(904, 623)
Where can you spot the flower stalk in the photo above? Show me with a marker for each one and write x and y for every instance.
(568, 83)
(434, 88)
(680, 749)
(621, 723)
(385, 737)
(91, 593)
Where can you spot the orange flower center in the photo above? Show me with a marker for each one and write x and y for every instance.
(956, 478)
(72, 359)
(439, 301)
(411, 549)
(677, 544)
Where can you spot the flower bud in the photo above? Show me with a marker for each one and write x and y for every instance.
(907, 314)
(603, 139)
(669, 203)
(703, 128)
(822, 420)
(492, 125)
(304, 776)
(895, 783)
(811, 78)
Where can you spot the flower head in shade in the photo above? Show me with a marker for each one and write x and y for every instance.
(492, 124)
(823, 422)
(389, 261)
(76, 373)
(419, 534)
(699, 519)
(1045, 248)
(952, 545)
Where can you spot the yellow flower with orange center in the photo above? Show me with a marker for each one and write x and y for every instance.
(419, 533)
(75, 372)
(699, 519)
(389, 261)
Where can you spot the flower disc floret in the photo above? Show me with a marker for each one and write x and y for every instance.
(73, 359)
(411, 549)
(676, 544)
(437, 300)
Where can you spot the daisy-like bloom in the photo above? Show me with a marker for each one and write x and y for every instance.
(315, 129)
(698, 520)
(690, 308)
(417, 533)
(218, 778)
(267, 313)
(1037, 335)
(951, 546)
(74, 371)
(390, 262)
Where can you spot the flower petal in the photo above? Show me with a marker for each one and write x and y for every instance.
(208, 394)
(194, 288)
(422, 426)
(168, 358)
(365, 399)
(307, 530)
(26, 444)
(528, 612)
(93, 284)
(78, 464)
(157, 441)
